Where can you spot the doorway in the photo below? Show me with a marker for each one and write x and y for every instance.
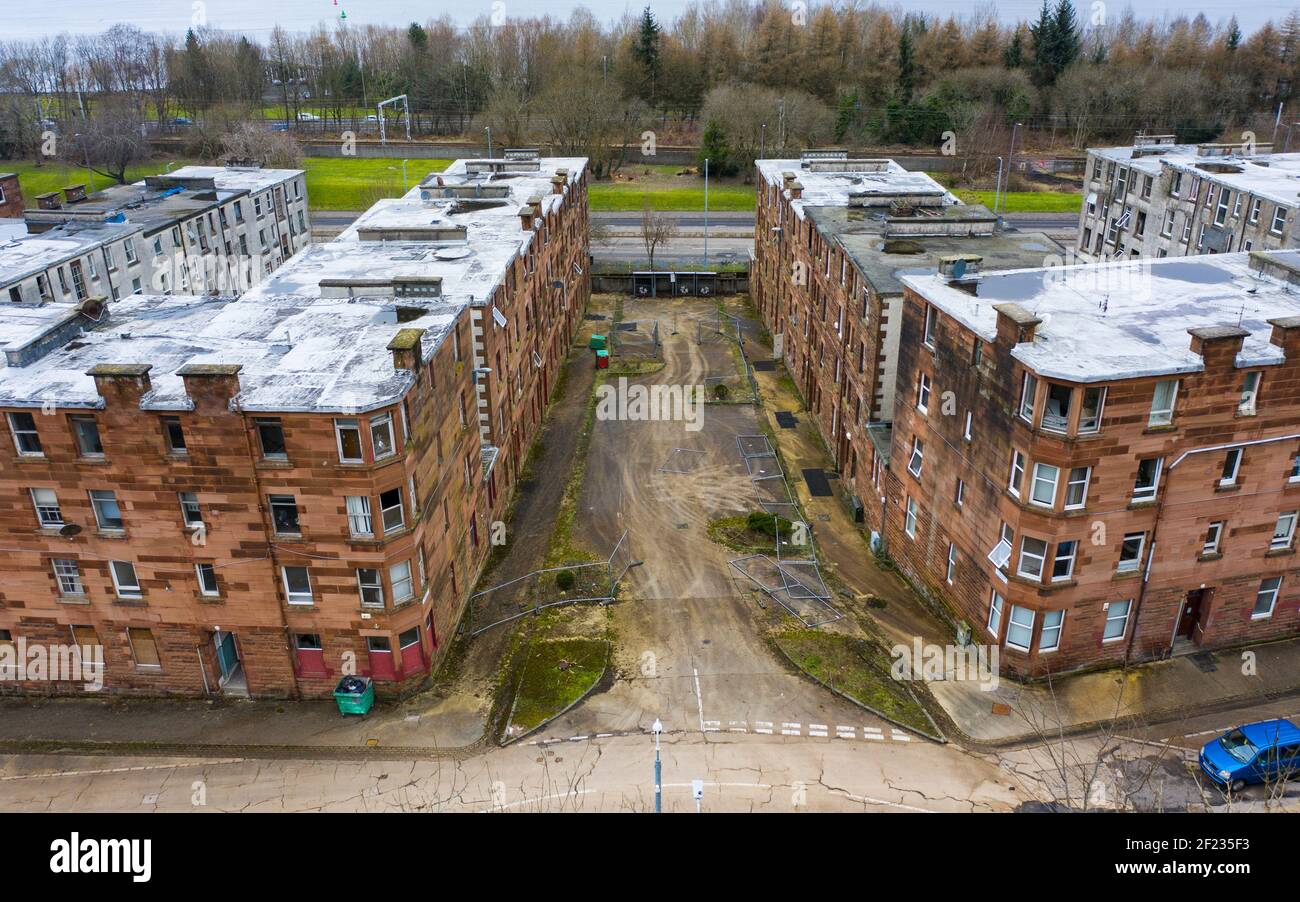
(1189, 619)
(233, 680)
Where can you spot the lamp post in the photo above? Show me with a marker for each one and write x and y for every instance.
(1011, 161)
(658, 728)
(489, 134)
(706, 213)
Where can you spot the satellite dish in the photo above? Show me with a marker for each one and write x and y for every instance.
(68, 530)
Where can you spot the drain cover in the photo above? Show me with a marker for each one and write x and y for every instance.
(785, 419)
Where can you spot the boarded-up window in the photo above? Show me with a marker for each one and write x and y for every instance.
(143, 648)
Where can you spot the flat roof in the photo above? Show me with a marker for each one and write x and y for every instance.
(302, 346)
(883, 251)
(832, 188)
(1126, 319)
(29, 253)
(236, 178)
(1273, 176)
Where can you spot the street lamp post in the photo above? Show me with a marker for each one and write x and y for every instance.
(489, 134)
(706, 213)
(1011, 161)
(658, 728)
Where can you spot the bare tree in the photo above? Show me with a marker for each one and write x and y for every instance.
(657, 229)
(274, 149)
(109, 141)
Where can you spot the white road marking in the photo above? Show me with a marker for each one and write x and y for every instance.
(790, 732)
(899, 736)
(558, 795)
(118, 770)
(699, 699)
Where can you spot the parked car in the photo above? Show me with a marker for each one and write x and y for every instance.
(182, 120)
(280, 127)
(308, 117)
(1255, 753)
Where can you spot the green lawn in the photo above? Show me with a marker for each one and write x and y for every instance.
(622, 196)
(354, 183)
(333, 183)
(1027, 201)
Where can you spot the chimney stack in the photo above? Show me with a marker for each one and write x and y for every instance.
(406, 349)
(211, 386)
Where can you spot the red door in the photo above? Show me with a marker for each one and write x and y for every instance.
(412, 652)
(381, 659)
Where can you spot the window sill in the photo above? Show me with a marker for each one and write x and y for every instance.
(73, 599)
(1235, 487)
(1280, 552)
(1141, 505)
(274, 463)
(302, 605)
(1127, 574)
(1209, 555)
(130, 601)
(111, 533)
(1268, 616)
(1159, 428)
(98, 460)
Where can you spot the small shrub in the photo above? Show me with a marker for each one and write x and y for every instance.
(768, 524)
(720, 392)
(564, 580)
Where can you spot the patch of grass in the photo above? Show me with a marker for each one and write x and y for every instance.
(556, 674)
(354, 183)
(738, 533)
(562, 549)
(628, 196)
(1027, 201)
(856, 667)
(54, 176)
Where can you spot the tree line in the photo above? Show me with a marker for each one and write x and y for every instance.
(743, 77)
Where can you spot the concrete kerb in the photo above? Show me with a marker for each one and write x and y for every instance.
(936, 736)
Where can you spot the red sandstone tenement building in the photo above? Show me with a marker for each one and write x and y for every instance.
(832, 237)
(1102, 463)
(11, 196)
(259, 494)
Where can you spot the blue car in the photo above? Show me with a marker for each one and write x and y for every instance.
(1258, 752)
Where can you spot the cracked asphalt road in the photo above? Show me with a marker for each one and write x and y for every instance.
(741, 773)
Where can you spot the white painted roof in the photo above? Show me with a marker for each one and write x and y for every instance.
(1273, 176)
(301, 348)
(832, 189)
(29, 254)
(228, 178)
(1125, 319)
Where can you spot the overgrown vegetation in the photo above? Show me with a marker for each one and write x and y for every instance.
(556, 674)
(857, 667)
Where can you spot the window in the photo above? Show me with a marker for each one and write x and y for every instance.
(1168, 228)
(1050, 637)
(284, 514)
(271, 435)
(107, 514)
(174, 435)
(143, 648)
(68, 575)
(1028, 391)
(931, 318)
(1148, 479)
(1063, 562)
(191, 513)
(995, 613)
(1056, 412)
(918, 455)
(399, 575)
(390, 510)
(1284, 531)
(1254, 210)
(372, 590)
(1295, 469)
(1116, 620)
(909, 523)
(348, 435)
(960, 497)
(1266, 597)
(47, 507)
(297, 585)
(1231, 467)
(1020, 628)
(377, 643)
(1162, 403)
(1279, 220)
(966, 430)
(86, 432)
(923, 394)
(952, 562)
(1042, 489)
(1017, 472)
(1032, 554)
(1090, 413)
(207, 575)
(359, 522)
(124, 579)
(1130, 552)
(1249, 392)
(26, 438)
(1076, 488)
(1213, 537)
(381, 436)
